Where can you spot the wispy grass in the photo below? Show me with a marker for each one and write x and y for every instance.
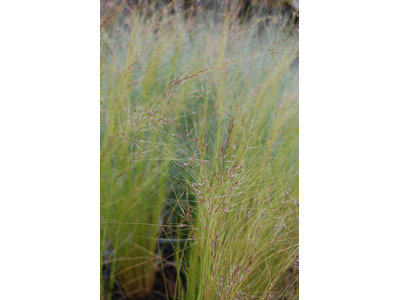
(199, 140)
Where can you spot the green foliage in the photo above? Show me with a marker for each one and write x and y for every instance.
(199, 140)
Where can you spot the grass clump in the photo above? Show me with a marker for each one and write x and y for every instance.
(199, 144)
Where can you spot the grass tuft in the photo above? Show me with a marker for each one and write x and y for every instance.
(199, 147)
